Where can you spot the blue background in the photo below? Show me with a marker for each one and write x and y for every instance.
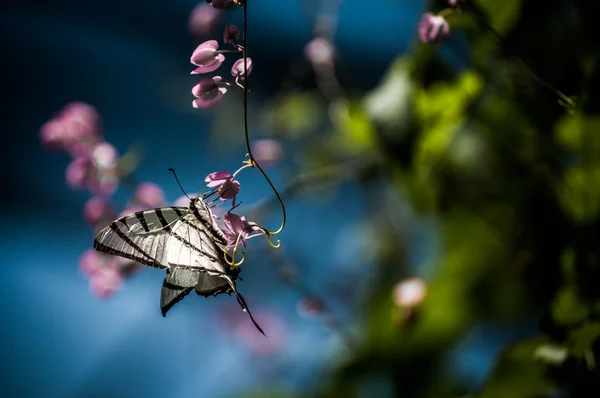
(130, 59)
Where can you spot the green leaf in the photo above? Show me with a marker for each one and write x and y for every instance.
(501, 15)
(579, 193)
(519, 372)
(568, 309)
(581, 339)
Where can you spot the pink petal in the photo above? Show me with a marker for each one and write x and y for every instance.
(210, 101)
(267, 152)
(238, 67)
(53, 134)
(217, 178)
(209, 66)
(149, 195)
(233, 222)
(105, 281)
(229, 190)
(90, 261)
(78, 172)
(203, 20)
(98, 211)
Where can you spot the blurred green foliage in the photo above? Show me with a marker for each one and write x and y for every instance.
(512, 178)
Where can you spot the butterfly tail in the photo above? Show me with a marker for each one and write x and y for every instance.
(243, 304)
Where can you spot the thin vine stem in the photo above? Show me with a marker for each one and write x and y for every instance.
(246, 135)
(563, 97)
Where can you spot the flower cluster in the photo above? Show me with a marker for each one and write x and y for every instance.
(235, 228)
(208, 58)
(433, 28)
(77, 130)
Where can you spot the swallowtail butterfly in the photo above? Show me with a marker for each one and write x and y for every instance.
(182, 240)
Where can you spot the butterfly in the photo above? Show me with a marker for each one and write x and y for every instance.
(183, 240)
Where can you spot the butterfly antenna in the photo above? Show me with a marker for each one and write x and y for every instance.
(178, 183)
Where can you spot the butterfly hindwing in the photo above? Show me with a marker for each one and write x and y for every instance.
(177, 284)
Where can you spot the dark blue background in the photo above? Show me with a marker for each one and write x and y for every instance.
(130, 59)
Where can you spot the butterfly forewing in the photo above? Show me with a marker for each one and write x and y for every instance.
(142, 236)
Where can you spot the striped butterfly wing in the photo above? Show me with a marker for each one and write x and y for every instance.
(183, 241)
(177, 284)
(142, 236)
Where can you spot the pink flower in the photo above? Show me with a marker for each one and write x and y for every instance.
(410, 292)
(433, 28)
(237, 70)
(149, 195)
(54, 135)
(77, 129)
(227, 187)
(90, 261)
(78, 172)
(208, 92)
(104, 156)
(105, 281)
(203, 20)
(207, 57)
(231, 34)
(237, 225)
(267, 152)
(319, 51)
(98, 211)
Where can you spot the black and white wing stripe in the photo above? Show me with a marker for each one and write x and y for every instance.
(142, 236)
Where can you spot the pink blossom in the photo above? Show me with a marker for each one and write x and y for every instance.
(78, 172)
(98, 211)
(267, 152)
(203, 20)
(53, 134)
(227, 187)
(237, 225)
(207, 57)
(104, 182)
(231, 34)
(90, 261)
(410, 292)
(104, 156)
(149, 195)
(433, 28)
(77, 129)
(237, 70)
(105, 281)
(217, 178)
(208, 92)
(82, 124)
(319, 51)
